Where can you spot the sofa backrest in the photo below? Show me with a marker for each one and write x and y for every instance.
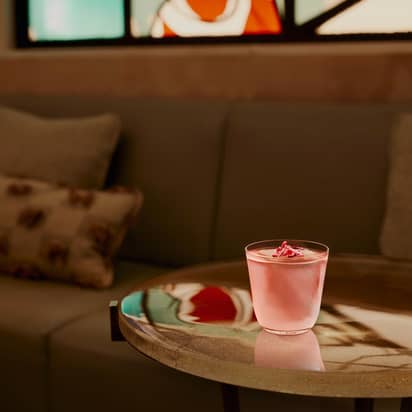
(171, 150)
(217, 175)
(304, 171)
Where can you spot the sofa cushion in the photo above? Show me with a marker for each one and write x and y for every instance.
(76, 152)
(170, 149)
(31, 312)
(304, 171)
(54, 232)
(109, 376)
(396, 237)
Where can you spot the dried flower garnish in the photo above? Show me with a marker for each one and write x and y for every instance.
(286, 250)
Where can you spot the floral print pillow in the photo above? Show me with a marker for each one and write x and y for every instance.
(49, 231)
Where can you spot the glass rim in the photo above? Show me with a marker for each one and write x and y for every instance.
(291, 241)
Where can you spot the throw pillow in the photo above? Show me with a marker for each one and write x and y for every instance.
(396, 236)
(75, 152)
(54, 232)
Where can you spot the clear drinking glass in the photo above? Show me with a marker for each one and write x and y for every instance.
(286, 291)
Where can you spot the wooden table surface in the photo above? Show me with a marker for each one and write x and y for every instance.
(200, 321)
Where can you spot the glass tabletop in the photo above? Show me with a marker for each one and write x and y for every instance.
(205, 315)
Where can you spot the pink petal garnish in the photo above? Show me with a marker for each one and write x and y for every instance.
(285, 250)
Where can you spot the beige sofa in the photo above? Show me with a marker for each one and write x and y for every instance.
(216, 175)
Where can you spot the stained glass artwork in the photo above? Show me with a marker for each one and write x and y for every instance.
(372, 16)
(281, 7)
(143, 16)
(196, 18)
(308, 9)
(75, 19)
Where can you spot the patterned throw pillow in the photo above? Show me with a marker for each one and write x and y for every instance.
(55, 232)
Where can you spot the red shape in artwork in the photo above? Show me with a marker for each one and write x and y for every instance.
(213, 304)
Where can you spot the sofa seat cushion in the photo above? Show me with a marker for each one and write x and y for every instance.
(31, 312)
(109, 376)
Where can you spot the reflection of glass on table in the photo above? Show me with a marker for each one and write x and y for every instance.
(288, 352)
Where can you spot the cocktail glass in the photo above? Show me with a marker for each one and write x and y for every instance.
(286, 290)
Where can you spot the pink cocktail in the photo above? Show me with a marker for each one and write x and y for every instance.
(286, 280)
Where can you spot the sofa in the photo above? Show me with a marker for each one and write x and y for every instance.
(215, 175)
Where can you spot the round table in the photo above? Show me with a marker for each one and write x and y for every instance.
(200, 321)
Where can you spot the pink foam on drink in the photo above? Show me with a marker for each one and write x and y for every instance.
(286, 291)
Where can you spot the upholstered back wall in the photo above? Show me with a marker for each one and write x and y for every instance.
(374, 71)
(6, 25)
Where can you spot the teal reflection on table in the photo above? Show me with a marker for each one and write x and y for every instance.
(132, 305)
